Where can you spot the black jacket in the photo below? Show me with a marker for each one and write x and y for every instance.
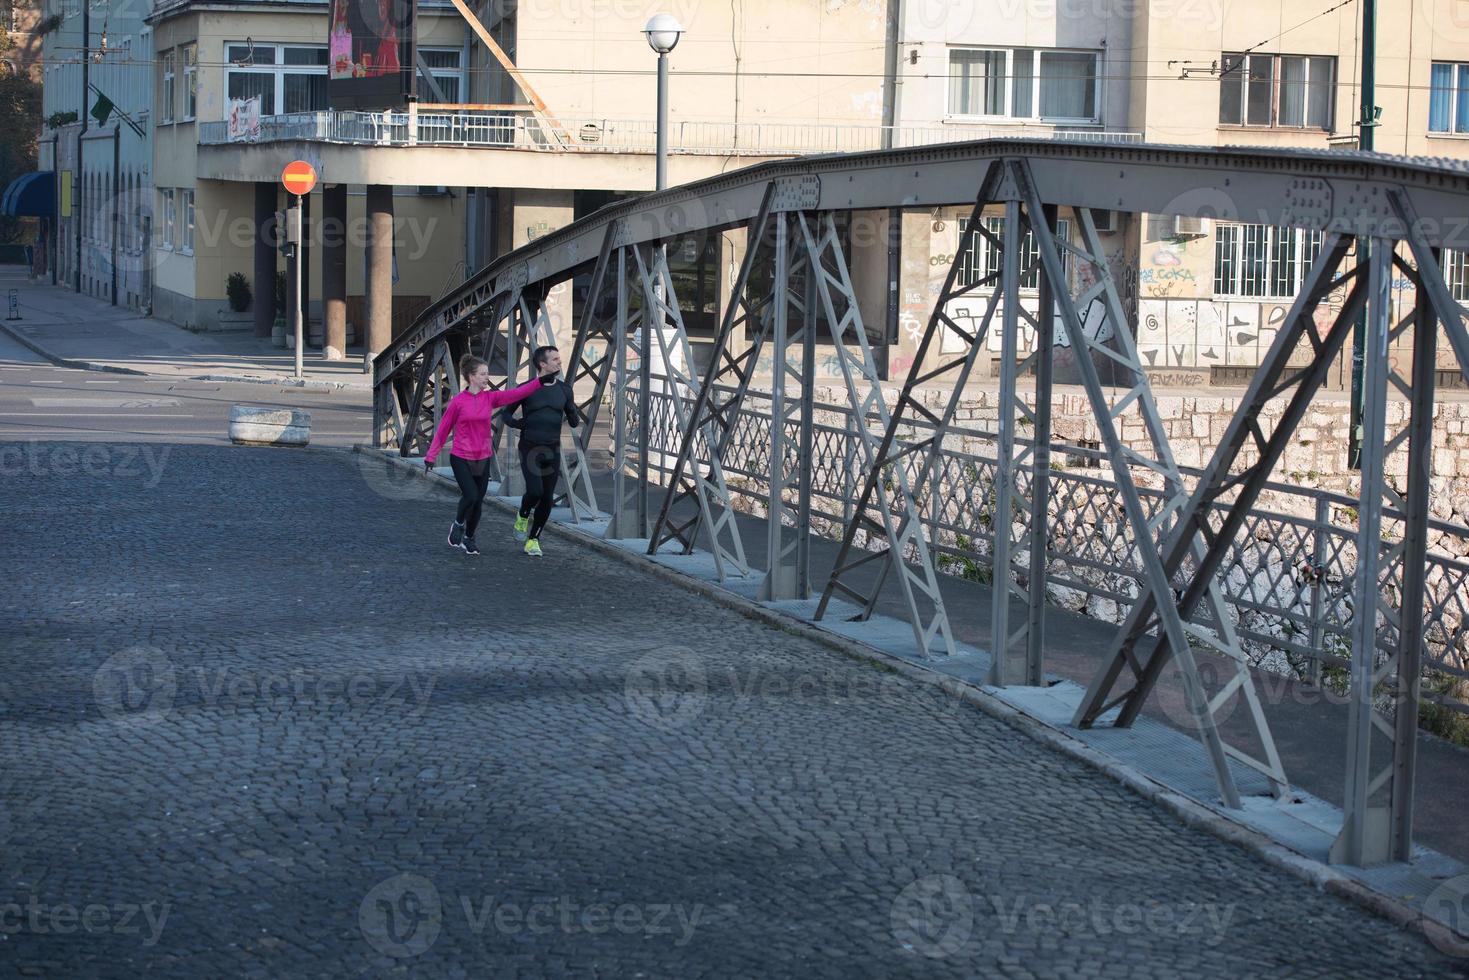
(541, 414)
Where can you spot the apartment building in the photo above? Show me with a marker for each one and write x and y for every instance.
(1206, 292)
(469, 184)
(96, 100)
(572, 130)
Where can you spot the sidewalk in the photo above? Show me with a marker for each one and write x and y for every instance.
(73, 330)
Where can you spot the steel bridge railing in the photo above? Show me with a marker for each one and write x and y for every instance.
(1288, 578)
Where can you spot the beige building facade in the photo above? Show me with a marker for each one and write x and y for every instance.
(752, 82)
(1206, 293)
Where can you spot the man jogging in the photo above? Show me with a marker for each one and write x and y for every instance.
(540, 445)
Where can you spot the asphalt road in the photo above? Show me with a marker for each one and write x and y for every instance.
(39, 401)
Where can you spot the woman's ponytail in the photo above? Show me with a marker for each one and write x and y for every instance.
(468, 364)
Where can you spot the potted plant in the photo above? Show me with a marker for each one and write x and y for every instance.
(237, 290)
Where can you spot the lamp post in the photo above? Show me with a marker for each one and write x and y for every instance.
(662, 32)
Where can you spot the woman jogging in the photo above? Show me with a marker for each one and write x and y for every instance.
(468, 419)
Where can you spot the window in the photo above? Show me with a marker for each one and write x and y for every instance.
(1456, 273)
(286, 78)
(166, 202)
(443, 68)
(165, 101)
(1024, 83)
(979, 257)
(1448, 98)
(190, 54)
(1275, 90)
(187, 225)
(1262, 260)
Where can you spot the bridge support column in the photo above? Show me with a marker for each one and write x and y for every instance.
(334, 271)
(265, 257)
(379, 268)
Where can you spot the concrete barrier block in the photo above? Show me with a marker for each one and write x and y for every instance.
(255, 426)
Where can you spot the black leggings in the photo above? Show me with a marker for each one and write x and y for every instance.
(541, 466)
(474, 481)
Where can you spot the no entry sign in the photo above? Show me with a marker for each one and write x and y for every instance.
(299, 177)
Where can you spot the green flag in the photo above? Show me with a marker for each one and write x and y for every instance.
(102, 109)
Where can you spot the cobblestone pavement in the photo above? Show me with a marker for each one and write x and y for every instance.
(259, 720)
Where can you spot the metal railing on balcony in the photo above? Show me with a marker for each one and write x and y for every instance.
(601, 135)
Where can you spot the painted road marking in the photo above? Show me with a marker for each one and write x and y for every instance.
(117, 401)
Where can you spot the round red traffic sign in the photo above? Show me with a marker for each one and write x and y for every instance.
(299, 177)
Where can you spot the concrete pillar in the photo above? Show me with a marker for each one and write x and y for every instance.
(334, 270)
(306, 252)
(265, 251)
(379, 267)
(870, 248)
(535, 214)
(732, 247)
(915, 304)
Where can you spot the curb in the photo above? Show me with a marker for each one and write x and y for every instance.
(1322, 877)
(65, 362)
(79, 365)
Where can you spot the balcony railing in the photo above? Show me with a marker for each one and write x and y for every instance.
(527, 132)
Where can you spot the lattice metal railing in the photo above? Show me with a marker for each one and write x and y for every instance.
(1288, 578)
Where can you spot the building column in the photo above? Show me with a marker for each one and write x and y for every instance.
(534, 214)
(379, 268)
(265, 249)
(307, 337)
(334, 270)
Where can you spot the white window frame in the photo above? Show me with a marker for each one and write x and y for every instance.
(1301, 251)
(186, 220)
(1277, 81)
(279, 70)
(166, 89)
(441, 74)
(166, 205)
(1035, 92)
(190, 64)
(1456, 92)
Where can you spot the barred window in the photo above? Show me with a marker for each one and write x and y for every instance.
(1262, 261)
(1456, 272)
(979, 257)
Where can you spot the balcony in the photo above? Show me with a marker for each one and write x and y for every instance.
(428, 128)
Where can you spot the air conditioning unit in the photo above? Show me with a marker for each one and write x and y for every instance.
(1184, 226)
(425, 190)
(1106, 221)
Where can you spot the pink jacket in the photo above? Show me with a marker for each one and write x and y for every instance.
(468, 419)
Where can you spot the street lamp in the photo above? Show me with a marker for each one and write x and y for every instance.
(663, 32)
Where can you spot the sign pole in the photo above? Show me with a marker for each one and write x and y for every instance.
(296, 252)
(298, 177)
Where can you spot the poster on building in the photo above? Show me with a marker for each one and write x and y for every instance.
(244, 120)
(371, 55)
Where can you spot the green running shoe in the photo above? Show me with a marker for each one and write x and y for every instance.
(522, 528)
(533, 548)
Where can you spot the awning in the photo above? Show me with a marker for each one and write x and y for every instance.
(30, 195)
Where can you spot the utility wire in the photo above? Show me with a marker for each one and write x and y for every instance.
(1241, 54)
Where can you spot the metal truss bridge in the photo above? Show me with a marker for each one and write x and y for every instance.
(893, 491)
